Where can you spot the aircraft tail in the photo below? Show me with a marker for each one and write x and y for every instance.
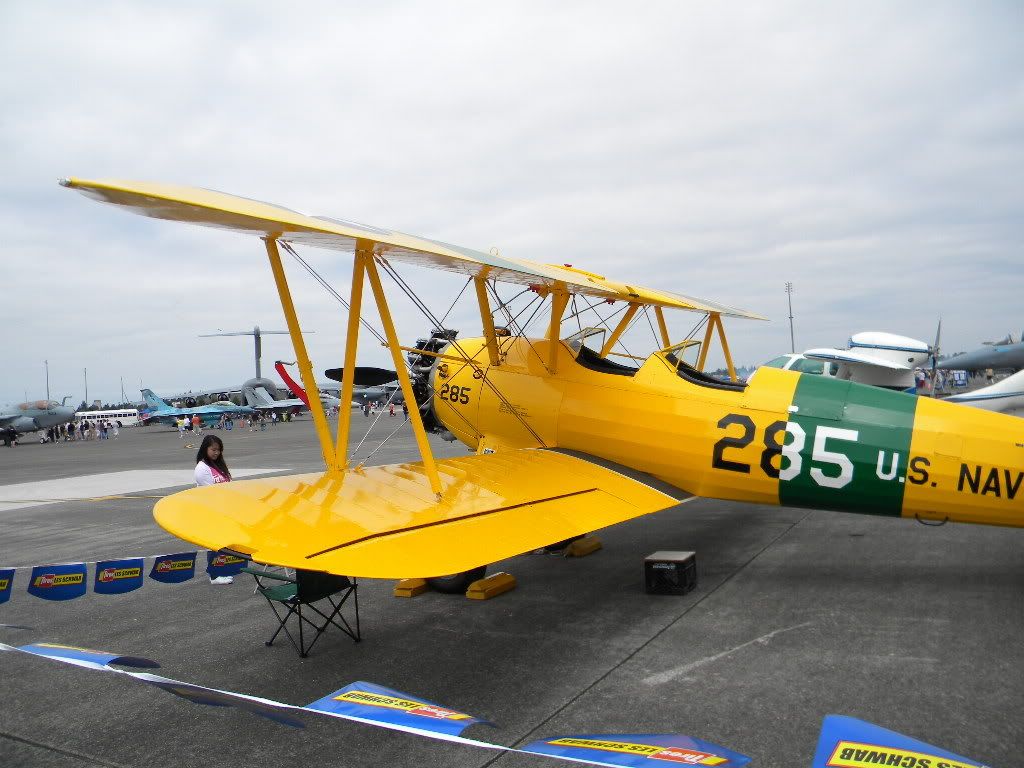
(154, 402)
(257, 398)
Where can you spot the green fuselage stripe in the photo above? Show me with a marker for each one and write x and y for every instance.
(869, 426)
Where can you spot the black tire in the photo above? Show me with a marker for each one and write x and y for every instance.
(457, 583)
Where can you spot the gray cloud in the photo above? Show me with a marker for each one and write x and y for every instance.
(869, 152)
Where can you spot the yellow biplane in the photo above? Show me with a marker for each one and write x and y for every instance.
(566, 439)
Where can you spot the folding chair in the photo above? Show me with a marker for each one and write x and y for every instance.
(296, 597)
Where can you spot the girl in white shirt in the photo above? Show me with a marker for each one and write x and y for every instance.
(210, 465)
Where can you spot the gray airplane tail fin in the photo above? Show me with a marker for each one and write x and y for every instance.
(257, 397)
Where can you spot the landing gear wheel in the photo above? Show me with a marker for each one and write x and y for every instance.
(456, 583)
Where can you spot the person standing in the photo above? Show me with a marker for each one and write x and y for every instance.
(211, 469)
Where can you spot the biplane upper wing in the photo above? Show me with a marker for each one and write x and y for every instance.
(217, 209)
(386, 522)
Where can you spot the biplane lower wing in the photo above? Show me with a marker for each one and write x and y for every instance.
(385, 522)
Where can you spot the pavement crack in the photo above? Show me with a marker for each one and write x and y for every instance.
(671, 674)
(60, 751)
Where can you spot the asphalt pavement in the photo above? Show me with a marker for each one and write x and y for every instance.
(797, 614)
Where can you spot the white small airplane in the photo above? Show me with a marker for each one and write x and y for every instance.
(873, 357)
(1006, 396)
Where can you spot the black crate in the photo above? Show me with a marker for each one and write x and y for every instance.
(670, 573)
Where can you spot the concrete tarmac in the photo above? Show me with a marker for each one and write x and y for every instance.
(798, 614)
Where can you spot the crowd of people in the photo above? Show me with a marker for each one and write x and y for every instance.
(257, 422)
(375, 406)
(82, 430)
(87, 429)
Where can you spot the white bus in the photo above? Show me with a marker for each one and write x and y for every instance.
(128, 417)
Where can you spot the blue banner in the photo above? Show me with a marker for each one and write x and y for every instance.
(72, 653)
(57, 582)
(636, 750)
(846, 742)
(198, 694)
(114, 577)
(374, 702)
(223, 564)
(6, 583)
(172, 569)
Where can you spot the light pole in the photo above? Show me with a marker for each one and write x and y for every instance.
(789, 298)
(85, 375)
(46, 363)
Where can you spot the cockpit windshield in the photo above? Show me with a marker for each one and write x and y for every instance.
(588, 344)
(591, 348)
(592, 338)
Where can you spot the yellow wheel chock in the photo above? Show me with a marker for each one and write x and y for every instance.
(492, 586)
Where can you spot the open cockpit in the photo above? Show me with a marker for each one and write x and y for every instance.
(589, 346)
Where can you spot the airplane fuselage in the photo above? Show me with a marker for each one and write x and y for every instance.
(994, 356)
(784, 438)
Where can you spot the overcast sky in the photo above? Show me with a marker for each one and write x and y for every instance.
(871, 153)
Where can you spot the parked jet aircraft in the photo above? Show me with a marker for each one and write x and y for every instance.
(1006, 396)
(1003, 355)
(565, 439)
(18, 419)
(257, 396)
(164, 413)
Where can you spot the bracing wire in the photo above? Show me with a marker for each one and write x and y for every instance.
(466, 357)
(330, 289)
(657, 341)
(379, 336)
(445, 317)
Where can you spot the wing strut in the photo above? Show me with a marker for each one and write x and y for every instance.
(619, 329)
(663, 327)
(715, 321)
(364, 250)
(559, 300)
(316, 407)
(487, 319)
(403, 375)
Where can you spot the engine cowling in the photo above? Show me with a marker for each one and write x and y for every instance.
(422, 368)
